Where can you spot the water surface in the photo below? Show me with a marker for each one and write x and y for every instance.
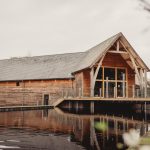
(57, 129)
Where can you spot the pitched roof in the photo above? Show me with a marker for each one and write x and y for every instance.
(93, 54)
(40, 67)
(59, 66)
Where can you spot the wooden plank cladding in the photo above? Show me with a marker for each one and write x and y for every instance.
(108, 70)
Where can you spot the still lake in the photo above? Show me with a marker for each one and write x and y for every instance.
(57, 129)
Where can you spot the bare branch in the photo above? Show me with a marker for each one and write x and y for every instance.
(146, 5)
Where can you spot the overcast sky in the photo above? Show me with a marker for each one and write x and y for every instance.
(41, 27)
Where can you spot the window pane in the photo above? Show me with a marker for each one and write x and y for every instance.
(120, 73)
(111, 86)
(98, 88)
(110, 73)
(121, 89)
(100, 73)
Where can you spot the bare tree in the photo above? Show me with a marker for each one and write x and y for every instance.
(146, 5)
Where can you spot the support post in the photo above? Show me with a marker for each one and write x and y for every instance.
(91, 132)
(136, 69)
(80, 92)
(93, 75)
(92, 82)
(123, 88)
(142, 83)
(133, 91)
(100, 92)
(145, 85)
(115, 92)
(69, 105)
(92, 107)
(116, 130)
(106, 87)
(97, 70)
(137, 94)
(77, 106)
(145, 111)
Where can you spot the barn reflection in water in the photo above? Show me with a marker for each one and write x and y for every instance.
(78, 127)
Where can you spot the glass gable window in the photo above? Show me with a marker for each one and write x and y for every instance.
(111, 82)
(110, 73)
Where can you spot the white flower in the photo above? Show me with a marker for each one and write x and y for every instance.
(144, 147)
(132, 138)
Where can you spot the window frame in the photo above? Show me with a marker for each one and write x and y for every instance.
(103, 80)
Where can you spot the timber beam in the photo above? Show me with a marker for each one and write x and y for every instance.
(94, 75)
(117, 52)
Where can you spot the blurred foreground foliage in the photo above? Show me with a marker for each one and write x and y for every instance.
(101, 126)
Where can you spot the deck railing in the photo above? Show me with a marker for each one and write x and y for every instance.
(132, 92)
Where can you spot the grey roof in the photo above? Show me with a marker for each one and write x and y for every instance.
(57, 66)
(39, 67)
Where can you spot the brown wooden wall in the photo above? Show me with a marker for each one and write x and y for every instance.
(78, 83)
(31, 92)
(86, 83)
(114, 60)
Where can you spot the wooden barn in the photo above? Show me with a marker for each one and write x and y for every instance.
(111, 69)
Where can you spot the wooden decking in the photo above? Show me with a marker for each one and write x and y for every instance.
(55, 103)
(60, 100)
(109, 99)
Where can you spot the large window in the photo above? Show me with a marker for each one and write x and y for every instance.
(111, 82)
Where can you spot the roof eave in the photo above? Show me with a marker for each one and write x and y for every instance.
(21, 80)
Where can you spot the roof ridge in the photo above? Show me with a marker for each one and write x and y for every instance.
(14, 58)
(118, 34)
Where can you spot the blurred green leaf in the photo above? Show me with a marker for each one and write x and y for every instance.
(120, 145)
(102, 126)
